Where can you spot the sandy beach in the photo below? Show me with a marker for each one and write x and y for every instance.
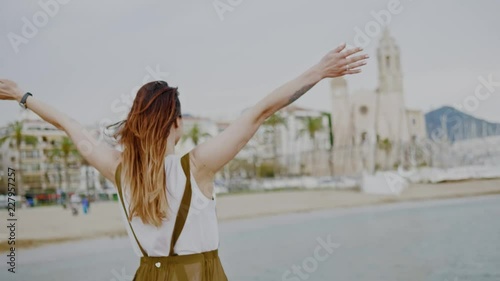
(44, 225)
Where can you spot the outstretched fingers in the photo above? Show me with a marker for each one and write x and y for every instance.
(354, 68)
(356, 59)
(342, 61)
(351, 52)
(355, 65)
(340, 48)
(351, 71)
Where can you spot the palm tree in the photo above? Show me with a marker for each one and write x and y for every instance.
(311, 126)
(62, 150)
(195, 134)
(67, 148)
(272, 123)
(53, 154)
(16, 137)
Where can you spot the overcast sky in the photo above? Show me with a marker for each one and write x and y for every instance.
(91, 55)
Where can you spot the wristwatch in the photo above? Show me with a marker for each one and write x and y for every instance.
(22, 103)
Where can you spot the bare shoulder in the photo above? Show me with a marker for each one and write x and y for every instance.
(197, 165)
(202, 174)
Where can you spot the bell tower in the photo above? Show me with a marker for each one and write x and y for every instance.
(390, 73)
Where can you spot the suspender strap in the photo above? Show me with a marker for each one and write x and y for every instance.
(184, 206)
(118, 184)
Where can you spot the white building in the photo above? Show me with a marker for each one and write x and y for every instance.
(288, 146)
(42, 162)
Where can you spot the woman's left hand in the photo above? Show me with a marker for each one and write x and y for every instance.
(9, 90)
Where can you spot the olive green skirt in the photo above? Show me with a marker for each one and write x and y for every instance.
(195, 267)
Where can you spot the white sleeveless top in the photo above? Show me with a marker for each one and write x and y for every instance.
(200, 232)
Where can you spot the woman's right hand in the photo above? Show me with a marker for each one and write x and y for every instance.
(9, 90)
(340, 62)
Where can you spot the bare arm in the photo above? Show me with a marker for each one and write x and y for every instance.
(101, 156)
(210, 156)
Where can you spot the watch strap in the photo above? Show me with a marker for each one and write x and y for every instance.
(23, 100)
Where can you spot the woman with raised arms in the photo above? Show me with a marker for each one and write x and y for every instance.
(174, 235)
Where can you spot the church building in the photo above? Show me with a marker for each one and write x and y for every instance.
(373, 130)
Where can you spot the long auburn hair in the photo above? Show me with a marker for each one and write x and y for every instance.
(143, 136)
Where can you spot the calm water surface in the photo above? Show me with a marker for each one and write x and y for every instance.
(448, 240)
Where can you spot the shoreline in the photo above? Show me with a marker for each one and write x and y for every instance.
(105, 218)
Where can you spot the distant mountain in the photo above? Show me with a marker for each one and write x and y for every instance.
(458, 125)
